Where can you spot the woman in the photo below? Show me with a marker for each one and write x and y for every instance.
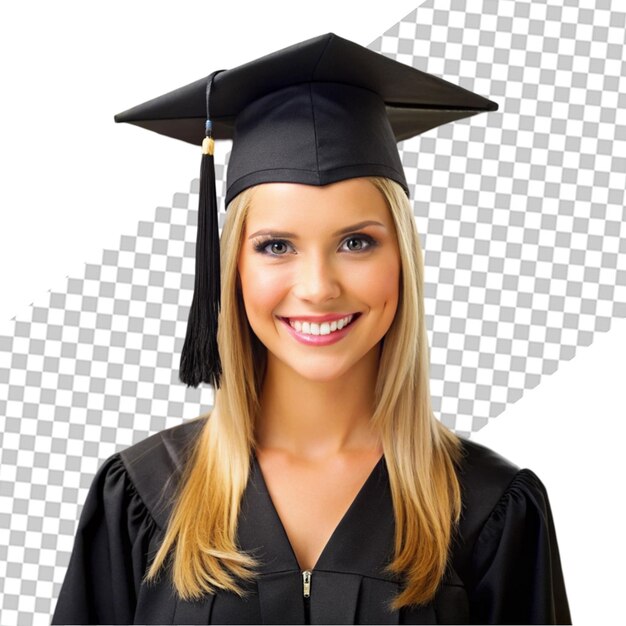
(320, 489)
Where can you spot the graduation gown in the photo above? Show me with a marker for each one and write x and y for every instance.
(505, 565)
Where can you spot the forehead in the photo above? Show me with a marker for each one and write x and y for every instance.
(310, 206)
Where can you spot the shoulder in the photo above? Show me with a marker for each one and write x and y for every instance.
(155, 464)
(168, 447)
(484, 477)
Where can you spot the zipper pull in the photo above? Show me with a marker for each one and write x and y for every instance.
(306, 583)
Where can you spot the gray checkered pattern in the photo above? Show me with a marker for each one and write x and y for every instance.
(521, 211)
(522, 219)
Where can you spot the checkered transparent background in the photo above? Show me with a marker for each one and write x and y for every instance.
(522, 220)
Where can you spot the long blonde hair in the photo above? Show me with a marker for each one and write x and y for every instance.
(420, 453)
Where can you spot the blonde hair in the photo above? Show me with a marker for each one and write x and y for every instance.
(420, 452)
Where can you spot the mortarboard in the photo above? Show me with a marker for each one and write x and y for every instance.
(317, 112)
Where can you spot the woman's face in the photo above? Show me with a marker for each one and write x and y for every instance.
(320, 271)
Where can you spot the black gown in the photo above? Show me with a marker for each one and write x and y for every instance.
(505, 565)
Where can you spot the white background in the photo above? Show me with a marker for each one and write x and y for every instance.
(72, 181)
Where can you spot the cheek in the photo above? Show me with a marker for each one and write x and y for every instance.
(378, 284)
(262, 289)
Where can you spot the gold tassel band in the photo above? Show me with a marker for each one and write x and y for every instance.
(208, 145)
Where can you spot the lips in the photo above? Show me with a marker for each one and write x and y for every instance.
(316, 333)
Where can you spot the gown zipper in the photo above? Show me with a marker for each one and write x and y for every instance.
(306, 592)
(306, 583)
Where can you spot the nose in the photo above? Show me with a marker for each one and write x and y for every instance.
(316, 279)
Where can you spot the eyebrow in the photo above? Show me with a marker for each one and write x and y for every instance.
(342, 231)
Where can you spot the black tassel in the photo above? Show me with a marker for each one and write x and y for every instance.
(200, 359)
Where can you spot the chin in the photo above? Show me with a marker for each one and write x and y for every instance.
(312, 369)
(320, 375)
(321, 368)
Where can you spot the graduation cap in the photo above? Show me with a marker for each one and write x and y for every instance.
(317, 112)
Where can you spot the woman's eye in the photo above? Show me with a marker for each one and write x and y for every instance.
(273, 247)
(278, 247)
(359, 243)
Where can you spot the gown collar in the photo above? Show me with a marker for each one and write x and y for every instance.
(368, 523)
(360, 546)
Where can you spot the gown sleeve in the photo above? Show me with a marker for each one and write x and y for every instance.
(518, 575)
(110, 552)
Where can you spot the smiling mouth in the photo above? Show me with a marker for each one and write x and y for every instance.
(321, 328)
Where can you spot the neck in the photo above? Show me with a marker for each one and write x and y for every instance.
(317, 419)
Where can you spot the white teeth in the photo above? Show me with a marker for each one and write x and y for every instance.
(325, 328)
